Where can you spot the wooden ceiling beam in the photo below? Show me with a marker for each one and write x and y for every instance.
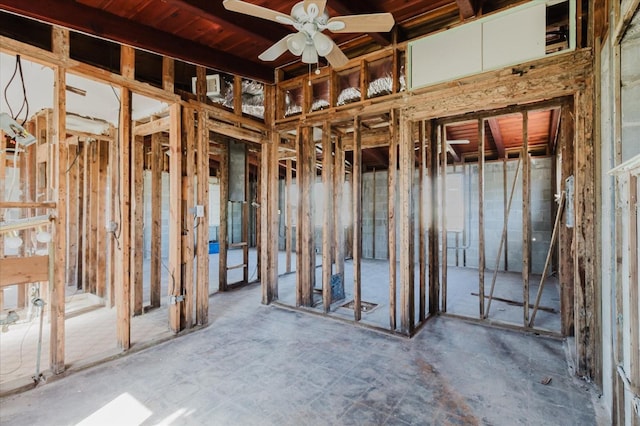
(359, 8)
(466, 8)
(252, 28)
(497, 135)
(78, 17)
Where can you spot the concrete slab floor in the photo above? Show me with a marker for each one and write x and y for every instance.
(264, 365)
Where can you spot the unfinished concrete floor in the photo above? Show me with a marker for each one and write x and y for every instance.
(258, 364)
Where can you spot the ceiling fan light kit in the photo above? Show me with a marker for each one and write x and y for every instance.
(310, 18)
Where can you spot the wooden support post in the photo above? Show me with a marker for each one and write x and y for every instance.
(356, 173)
(443, 204)
(327, 223)
(565, 243)
(526, 217)
(306, 251)
(137, 219)
(176, 290)
(392, 185)
(223, 232)
(245, 217)
(102, 202)
(114, 218)
(265, 234)
(505, 162)
(407, 166)
(481, 246)
(92, 223)
(338, 199)
(273, 206)
(202, 283)
(86, 216)
(72, 212)
(434, 244)
(157, 164)
(288, 234)
(422, 218)
(168, 74)
(60, 40)
(188, 208)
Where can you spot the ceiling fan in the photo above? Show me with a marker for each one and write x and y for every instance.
(310, 18)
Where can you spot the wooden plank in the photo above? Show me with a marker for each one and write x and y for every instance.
(102, 202)
(153, 126)
(188, 204)
(73, 209)
(274, 215)
(201, 84)
(245, 218)
(423, 134)
(60, 44)
(565, 244)
(202, 198)
(137, 225)
(356, 193)
(392, 185)
(434, 244)
(288, 215)
(306, 251)
(328, 212)
(526, 217)
(92, 218)
(267, 297)
(168, 74)
(443, 205)
(481, 242)
(157, 163)
(28, 205)
(338, 200)
(407, 158)
(22, 270)
(176, 303)
(223, 232)
(123, 234)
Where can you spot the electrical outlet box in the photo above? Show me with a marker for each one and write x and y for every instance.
(199, 210)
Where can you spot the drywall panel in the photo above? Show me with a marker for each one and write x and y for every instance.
(514, 37)
(446, 55)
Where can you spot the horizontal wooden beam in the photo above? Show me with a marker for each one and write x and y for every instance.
(236, 132)
(154, 126)
(27, 205)
(76, 16)
(21, 270)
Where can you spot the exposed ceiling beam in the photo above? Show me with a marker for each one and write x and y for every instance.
(466, 8)
(554, 129)
(497, 135)
(78, 17)
(252, 28)
(358, 8)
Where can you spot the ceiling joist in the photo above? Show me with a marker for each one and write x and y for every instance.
(78, 17)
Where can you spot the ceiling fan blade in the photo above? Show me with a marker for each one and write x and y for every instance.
(336, 57)
(255, 10)
(319, 4)
(369, 23)
(274, 52)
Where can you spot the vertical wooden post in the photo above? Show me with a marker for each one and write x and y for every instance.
(289, 214)
(443, 203)
(422, 220)
(168, 74)
(114, 211)
(565, 243)
(245, 216)
(434, 244)
(137, 219)
(327, 224)
(86, 216)
(481, 245)
(356, 173)
(92, 219)
(157, 164)
(72, 212)
(392, 184)
(176, 293)
(526, 217)
(223, 233)
(407, 166)
(123, 281)
(60, 40)
(338, 199)
(273, 214)
(102, 201)
(202, 283)
(306, 252)
(265, 232)
(188, 210)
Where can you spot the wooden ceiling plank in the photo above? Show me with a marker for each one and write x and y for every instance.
(466, 8)
(78, 17)
(359, 8)
(216, 13)
(497, 135)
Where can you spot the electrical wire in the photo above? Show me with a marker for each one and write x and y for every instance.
(25, 102)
